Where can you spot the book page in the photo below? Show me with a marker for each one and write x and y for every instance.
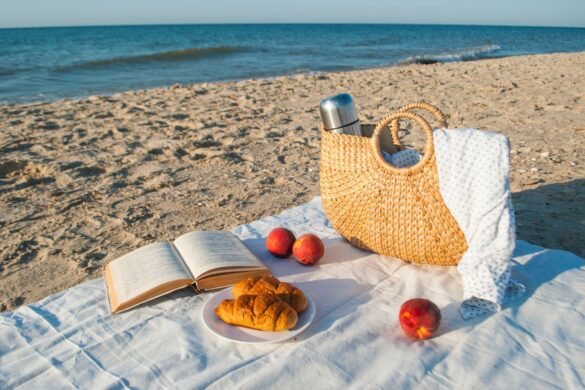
(205, 251)
(146, 268)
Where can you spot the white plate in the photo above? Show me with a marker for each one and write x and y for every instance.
(239, 334)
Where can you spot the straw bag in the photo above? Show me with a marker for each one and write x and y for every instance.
(393, 211)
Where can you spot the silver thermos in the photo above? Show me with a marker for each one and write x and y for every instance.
(339, 115)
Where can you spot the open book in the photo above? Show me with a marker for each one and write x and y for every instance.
(206, 260)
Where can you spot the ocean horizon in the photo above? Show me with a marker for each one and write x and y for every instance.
(50, 63)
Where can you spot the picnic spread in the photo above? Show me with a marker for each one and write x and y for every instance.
(373, 300)
(70, 339)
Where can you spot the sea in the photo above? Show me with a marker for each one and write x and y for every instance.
(43, 64)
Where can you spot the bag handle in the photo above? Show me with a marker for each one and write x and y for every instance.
(413, 106)
(429, 146)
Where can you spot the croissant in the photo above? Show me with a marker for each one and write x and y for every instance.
(263, 312)
(255, 285)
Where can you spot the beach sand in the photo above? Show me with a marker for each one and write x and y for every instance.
(85, 181)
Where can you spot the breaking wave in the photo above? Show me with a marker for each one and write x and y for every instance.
(475, 53)
(173, 55)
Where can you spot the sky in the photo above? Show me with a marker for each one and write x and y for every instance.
(40, 13)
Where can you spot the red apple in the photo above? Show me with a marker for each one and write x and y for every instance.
(308, 249)
(419, 318)
(280, 242)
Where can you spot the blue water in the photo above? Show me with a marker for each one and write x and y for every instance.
(52, 63)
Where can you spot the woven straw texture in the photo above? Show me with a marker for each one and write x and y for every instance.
(393, 211)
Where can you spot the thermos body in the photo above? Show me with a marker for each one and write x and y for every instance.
(339, 115)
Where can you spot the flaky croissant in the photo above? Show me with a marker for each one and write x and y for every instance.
(262, 312)
(255, 285)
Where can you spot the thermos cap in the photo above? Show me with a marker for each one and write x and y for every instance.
(338, 111)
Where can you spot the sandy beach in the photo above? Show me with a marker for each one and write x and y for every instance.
(85, 181)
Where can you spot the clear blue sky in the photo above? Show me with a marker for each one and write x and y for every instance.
(29, 13)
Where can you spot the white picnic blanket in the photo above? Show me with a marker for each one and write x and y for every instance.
(70, 340)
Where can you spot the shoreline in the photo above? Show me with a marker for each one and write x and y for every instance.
(84, 181)
(402, 63)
